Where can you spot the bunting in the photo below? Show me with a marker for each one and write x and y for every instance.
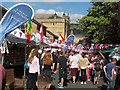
(61, 39)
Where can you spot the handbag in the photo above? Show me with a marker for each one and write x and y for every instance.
(26, 64)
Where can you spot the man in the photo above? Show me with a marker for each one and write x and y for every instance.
(74, 66)
(97, 67)
(62, 66)
(109, 70)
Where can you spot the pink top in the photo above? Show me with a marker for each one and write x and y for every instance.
(34, 66)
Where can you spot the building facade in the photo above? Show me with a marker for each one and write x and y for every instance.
(55, 24)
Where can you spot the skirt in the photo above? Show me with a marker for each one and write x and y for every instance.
(74, 71)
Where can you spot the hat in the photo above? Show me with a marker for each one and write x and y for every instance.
(39, 51)
(114, 57)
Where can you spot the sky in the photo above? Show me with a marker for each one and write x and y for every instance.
(75, 10)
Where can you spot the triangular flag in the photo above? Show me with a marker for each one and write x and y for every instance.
(61, 39)
(41, 31)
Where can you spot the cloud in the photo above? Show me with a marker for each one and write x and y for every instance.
(42, 11)
(59, 8)
(73, 17)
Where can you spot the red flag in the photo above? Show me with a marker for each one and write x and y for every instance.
(51, 40)
(28, 37)
(41, 31)
(61, 38)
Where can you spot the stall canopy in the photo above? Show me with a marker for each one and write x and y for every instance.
(17, 36)
(108, 50)
(115, 53)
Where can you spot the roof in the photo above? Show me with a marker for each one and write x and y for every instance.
(3, 7)
(45, 16)
(51, 33)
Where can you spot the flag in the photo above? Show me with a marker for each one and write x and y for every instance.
(96, 46)
(29, 30)
(51, 40)
(41, 32)
(61, 39)
(38, 35)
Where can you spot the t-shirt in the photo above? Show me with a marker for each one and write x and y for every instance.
(34, 66)
(62, 62)
(97, 66)
(54, 58)
(83, 63)
(109, 67)
(79, 56)
(74, 61)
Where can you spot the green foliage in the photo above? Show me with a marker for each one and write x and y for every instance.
(77, 29)
(101, 23)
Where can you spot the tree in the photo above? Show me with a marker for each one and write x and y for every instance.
(101, 23)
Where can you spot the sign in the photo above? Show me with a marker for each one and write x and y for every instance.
(70, 38)
(15, 17)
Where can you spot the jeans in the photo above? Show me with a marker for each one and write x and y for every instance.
(111, 84)
(31, 83)
(83, 75)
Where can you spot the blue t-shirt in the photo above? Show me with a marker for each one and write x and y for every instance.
(109, 67)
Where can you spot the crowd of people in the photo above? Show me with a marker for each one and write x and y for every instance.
(81, 66)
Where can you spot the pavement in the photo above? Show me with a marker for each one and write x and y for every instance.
(77, 85)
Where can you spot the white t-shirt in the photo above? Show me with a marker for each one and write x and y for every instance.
(78, 56)
(74, 60)
(34, 66)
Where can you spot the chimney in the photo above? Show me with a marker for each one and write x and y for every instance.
(55, 16)
(64, 15)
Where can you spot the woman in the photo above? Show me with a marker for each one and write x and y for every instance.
(47, 63)
(34, 69)
(83, 63)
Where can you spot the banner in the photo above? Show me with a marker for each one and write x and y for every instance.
(15, 17)
(70, 38)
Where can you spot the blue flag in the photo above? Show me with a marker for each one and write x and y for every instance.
(15, 17)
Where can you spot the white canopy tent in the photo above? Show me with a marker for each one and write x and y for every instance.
(17, 36)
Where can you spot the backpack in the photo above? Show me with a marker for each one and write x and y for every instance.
(97, 66)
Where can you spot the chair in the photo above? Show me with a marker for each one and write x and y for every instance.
(11, 81)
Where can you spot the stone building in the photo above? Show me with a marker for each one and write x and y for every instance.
(55, 24)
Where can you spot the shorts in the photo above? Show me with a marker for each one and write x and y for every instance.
(63, 72)
(97, 74)
(74, 71)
